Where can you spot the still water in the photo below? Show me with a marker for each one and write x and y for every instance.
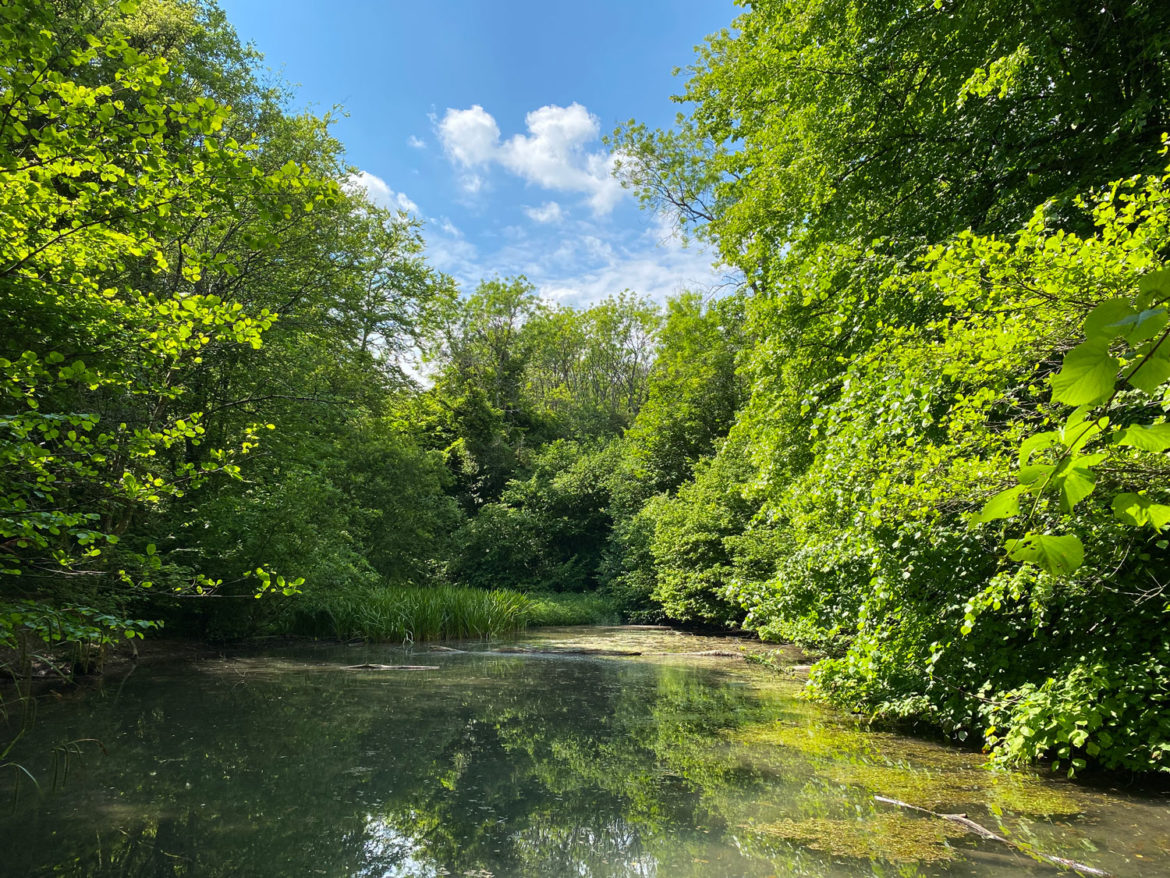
(542, 762)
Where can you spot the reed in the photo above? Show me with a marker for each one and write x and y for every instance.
(439, 613)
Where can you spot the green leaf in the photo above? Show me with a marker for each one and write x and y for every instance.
(1075, 484)
(1060, 556)
(1035, 443)
(1139, 511)
(1030, 475)
(1152, 373)
(1141, 326)
(1087, 375)
(1154, 286)
(1005, 504)
(1103, 320)
(1147, 437)
(1076, 433)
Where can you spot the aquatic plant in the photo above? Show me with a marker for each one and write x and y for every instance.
(445, 612)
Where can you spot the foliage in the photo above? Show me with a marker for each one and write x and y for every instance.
(918, 334)
(184, 269)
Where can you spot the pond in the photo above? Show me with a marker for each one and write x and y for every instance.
(531, 757)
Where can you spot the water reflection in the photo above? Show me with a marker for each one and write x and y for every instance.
(524, 765)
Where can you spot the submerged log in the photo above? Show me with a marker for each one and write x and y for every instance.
(982, 831)
(370, 667)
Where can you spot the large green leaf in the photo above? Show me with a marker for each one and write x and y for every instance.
(1139, 510)
(1154, 287)
(1077, 432)
(1147, 437)
(1087, 376)
(1141, 325)
(1103, 319)
(1060, 556)
(1030, 475)
(1152, 373)
(1075, 483)
(1037, 442)
(1005, 504)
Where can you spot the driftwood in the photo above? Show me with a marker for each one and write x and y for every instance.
(984, 832)
(369, 667)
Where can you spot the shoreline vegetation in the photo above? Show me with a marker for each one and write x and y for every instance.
(925, 437)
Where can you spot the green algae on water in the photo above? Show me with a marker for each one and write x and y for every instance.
(893, 837)
(916, 772)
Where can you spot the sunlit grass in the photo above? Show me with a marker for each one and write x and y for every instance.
(440, 613)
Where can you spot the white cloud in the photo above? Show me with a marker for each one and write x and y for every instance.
(579, 263)
(379, 192)
(416, 142)
(651, 271)
(549, 212)
(552, 155)
(470, 137)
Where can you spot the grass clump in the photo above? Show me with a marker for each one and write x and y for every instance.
(413, 614)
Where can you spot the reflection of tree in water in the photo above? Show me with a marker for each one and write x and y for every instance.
(493, 766)
(584, 784)
(557, 848)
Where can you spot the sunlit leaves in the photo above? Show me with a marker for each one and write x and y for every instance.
(1140, 511)
(1087, 375)
(1147, 437)
(1059, 555)
(105, 168)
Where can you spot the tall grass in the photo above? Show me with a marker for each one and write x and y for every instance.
(438, 613)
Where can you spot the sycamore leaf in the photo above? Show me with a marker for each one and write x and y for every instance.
(1147, 437)
(1139, 510)
(1060, 556)
(1087, 375)
(1005, 504)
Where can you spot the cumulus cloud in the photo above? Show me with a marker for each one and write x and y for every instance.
(416, 142)
(549, 212)
(379, 192)
(470, 137)
(553, 154)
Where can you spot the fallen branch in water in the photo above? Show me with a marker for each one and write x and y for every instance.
(983, 831)
(368, 667)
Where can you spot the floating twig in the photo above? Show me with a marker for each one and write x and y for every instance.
(982, 831)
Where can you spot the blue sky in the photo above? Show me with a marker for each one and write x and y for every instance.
(485, 120)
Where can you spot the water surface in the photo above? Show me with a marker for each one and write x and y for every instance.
(533, 763)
